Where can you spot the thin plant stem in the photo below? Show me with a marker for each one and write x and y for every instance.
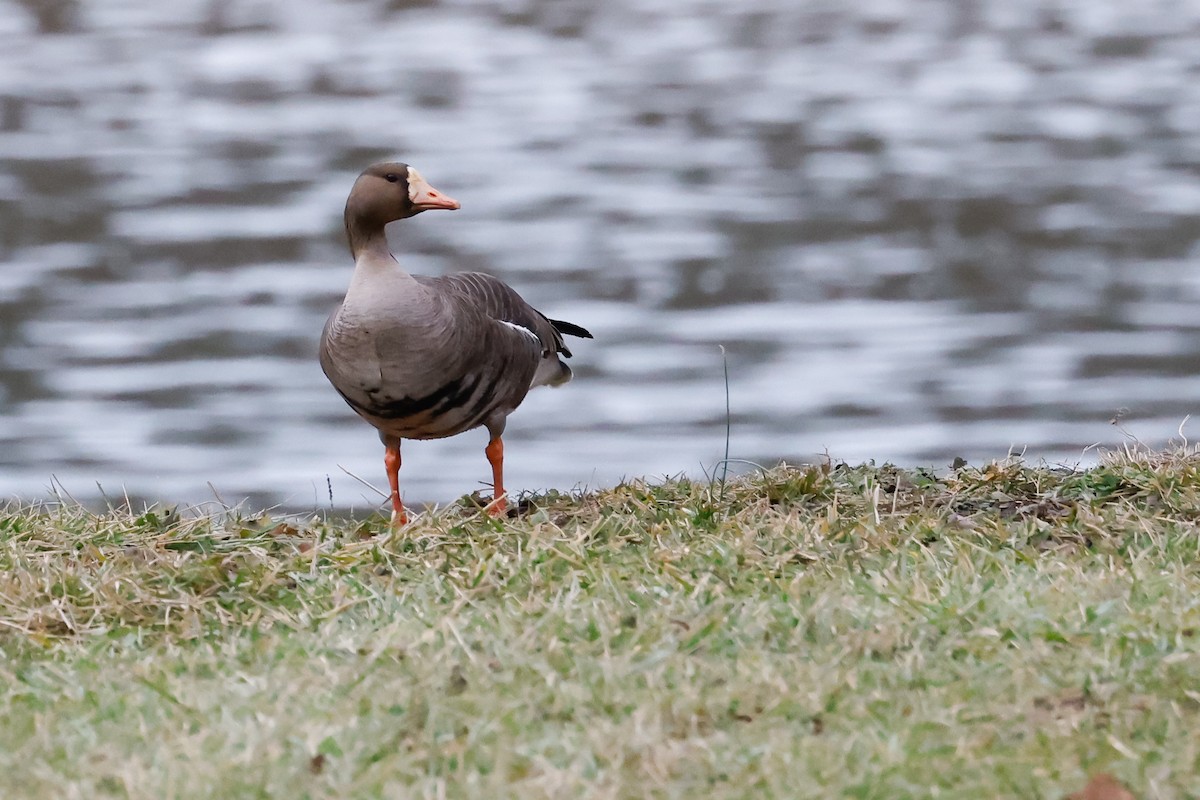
(728, 424)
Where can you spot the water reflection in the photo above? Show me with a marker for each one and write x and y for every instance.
(920, 230)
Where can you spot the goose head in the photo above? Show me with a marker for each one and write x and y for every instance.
(389, 191)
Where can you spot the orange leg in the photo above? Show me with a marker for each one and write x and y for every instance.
(391, 462)
(495, 456)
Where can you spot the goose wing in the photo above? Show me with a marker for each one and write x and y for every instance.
(499, 301)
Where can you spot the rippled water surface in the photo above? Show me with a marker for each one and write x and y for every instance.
(920, 229)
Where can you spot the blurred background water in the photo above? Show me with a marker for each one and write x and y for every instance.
(921, 229)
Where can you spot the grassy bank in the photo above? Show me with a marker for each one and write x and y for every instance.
(1002, 631)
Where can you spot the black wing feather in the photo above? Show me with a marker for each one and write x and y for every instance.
(570, 329)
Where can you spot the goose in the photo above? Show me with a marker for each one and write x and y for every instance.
(424, 357)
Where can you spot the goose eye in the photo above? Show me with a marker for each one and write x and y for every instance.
(391, 177)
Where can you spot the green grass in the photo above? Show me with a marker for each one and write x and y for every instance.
(862, 632)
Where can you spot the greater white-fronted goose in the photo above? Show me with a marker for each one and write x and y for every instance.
(425, 358)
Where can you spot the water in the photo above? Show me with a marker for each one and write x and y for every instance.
(920, 230)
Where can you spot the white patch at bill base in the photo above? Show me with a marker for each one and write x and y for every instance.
(415, 184)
